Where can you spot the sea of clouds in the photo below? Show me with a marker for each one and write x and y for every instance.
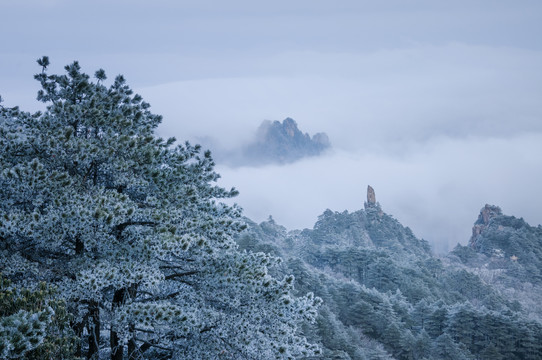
(437, 131)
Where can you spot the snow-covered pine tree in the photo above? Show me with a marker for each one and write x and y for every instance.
(33, 324)
(131, 229)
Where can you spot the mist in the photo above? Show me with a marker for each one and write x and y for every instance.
(382, 99)
(437, 131)
(436, 190)
(435, 105)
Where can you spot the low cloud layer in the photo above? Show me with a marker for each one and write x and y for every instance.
(437, 189)
(438, 131)
(369, 100)
(435, 104)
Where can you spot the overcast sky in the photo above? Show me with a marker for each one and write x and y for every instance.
(436, 104)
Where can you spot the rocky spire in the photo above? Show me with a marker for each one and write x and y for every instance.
(371, 198)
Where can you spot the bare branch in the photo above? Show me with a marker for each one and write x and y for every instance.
(120, 227)
(177, 275)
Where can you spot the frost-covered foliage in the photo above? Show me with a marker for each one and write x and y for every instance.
(33, 324)
(131, 229)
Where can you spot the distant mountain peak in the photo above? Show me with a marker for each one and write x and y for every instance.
(505, 242)
(290, 126)
(274, 142)
(487, 213)
(278, 142)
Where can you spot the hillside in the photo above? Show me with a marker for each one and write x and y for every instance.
(387, 297)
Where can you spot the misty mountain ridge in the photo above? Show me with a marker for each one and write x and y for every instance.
(275, 142)
(282, 143)
(386, 296)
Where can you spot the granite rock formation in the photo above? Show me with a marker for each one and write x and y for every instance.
(283, 143)
(487, 213)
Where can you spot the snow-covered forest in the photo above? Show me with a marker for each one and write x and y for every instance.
(116, 244)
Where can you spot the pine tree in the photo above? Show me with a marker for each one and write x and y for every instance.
(436, 322)
(422, 346)
(33, 324)
(421, 314)
(132, 230)
(444, 347)
(490, 352)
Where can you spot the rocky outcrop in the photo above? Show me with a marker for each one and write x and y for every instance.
(371, 198)
(371, 205)
(508, 243)
(281, 143)
(274, 142)
(487, 213)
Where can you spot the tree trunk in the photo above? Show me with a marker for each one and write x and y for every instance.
(93, 330)
(133, 351)
(117, 349)
(78, 329)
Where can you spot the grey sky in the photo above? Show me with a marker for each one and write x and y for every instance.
(434, 103)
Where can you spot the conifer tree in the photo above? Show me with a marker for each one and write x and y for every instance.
(33, 324)
(444, 347)
(131, 229)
